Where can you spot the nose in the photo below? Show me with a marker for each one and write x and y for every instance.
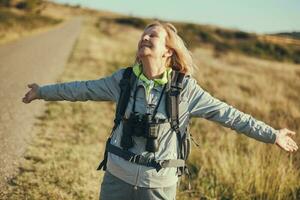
(145, 37)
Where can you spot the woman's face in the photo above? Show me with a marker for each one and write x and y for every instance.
(153, 43)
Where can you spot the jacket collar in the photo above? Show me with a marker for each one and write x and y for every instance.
(149, 84)
(137, 69)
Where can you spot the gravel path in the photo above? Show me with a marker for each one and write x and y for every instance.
(38, 59)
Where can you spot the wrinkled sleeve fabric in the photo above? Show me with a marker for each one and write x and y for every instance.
(202, 104)
(103, 89)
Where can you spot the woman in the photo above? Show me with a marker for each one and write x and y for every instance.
(160, 53)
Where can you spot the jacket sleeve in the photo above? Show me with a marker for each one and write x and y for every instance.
(202, 104)
(103, 89)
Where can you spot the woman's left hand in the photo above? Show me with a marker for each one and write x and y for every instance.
(284, 141)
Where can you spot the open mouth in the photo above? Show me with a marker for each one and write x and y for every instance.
(145, 45)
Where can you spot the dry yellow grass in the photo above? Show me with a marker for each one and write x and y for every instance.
(239, 167)
(280, 40)
(61, 162)
(16, 24)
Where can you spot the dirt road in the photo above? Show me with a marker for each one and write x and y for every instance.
(38, 59)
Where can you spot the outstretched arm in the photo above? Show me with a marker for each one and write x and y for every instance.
(103, 89)
(202, 104)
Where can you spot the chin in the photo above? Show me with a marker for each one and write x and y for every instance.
(142, 54)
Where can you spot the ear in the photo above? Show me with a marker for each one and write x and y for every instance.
(168, 53)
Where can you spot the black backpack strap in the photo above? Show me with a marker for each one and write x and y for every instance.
(174, 89)
(173, 100)
(125, 84)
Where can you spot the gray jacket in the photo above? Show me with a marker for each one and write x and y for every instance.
(195, 102)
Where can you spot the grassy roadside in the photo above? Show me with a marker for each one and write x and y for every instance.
(61, 162)
(16, 24)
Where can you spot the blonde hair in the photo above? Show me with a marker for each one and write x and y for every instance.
(181, 59)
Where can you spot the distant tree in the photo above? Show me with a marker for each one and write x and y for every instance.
(5, 3)
(29, 5)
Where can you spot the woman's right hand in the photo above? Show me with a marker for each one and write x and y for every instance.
(31, 94)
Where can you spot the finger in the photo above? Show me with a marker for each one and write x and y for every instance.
(24, 100)
(291, 143)
(289, 132)
(26, 97)
(294, 143)
(285, 147)
(30, 85)
(294, 149)
(289, 148)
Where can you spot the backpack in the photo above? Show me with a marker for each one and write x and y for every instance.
(173, 89)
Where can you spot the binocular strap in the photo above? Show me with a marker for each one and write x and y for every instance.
(142, 160)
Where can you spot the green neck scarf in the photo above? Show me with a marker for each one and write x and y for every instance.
(137, 69)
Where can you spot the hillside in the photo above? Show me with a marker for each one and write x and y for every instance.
(226, 40)
(17, 21)
(15, 25)
(294, 35)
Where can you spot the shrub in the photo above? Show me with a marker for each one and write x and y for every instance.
(29, 5)
(5, 3)
(132, 21)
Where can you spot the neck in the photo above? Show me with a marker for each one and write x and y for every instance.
(153, 68)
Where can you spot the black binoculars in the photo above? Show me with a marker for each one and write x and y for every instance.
(140, 126)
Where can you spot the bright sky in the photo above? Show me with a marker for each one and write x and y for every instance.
(261, 16)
